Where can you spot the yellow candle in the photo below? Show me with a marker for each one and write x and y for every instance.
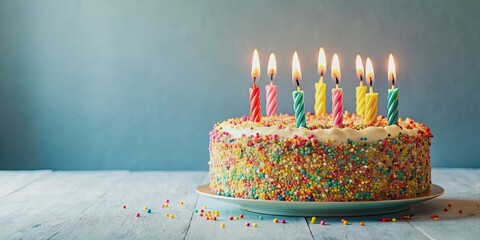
(371, 98)
(361, 90)
(320, 87)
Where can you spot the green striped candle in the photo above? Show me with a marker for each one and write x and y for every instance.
(299, 108)
(392, 106)
(392, 96)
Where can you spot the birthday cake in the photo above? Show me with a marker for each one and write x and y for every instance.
(273, 160)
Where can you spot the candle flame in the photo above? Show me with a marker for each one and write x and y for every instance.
(359, 67)
(255, 65)
(369, 69)
(392, 74)
(336, 68)
(272, 66)
(296, 71)
(322, 62)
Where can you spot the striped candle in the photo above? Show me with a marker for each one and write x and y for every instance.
(271, 91)
(337, 107)
(255, 113)
(254, 99)
(337, 94)
(371, 98)
(392, 106)
(299, 108)
(361, 90)
(320, 106)
(392, 96)
(298, 99)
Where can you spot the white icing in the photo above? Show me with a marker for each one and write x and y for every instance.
(337, 134)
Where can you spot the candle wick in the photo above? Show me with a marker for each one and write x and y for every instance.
(361, 78)
(393, 80)
(298, 84)
(254, 82)
(371, 82)
(271, 77)
(336, 80)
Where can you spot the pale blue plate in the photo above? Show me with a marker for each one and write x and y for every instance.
(339, 209)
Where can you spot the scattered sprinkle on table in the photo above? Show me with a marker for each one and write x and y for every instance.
(254, 225)
(149, 210)
(362, 224)
(275, 220)
(166, 214)
(247, 224)
(124, 206)
(394, 219)
(145, 207)
(167, 201)
(283, 221)
(171, 215)
(231, 218)
(241, 215)
(181, 203)
(222, 225)
(137, 215)
(260, 217)
(322, 222)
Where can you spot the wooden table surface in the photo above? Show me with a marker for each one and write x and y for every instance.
(88, 205)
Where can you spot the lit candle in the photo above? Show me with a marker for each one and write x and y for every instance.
(392, 96)
(255, 113)
(361, 90)
(298, 100)
(271, 89)
(371, 98)
(337, 94)
(320, 86)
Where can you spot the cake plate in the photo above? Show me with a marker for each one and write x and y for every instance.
(327, 209)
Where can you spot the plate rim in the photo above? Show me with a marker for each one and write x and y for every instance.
(417, 198)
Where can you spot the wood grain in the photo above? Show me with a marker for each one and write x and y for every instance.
(11, 181)
(462, 196)
(107, 219)
(87, 205)
(200, 228)
(43, 207)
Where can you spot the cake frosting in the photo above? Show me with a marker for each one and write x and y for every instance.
(274, 160)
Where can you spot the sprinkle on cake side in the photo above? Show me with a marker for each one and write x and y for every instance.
(273, 160)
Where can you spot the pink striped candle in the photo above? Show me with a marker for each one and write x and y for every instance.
(254, 98)
(271, 89)
(337, 94)
(337, 107)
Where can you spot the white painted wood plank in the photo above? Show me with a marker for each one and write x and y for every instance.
(11, 181)
(105, 219)
(462, 196)
(41, 208)
(373, 229)
(295, 228)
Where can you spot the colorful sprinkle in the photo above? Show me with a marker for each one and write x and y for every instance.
(275, 220)
(322, 222)
(124, 206)
(149, 210)
(137, 215)
(283, 221)
(254, 225)
(260, 217)
(241, 215)
(231, 218)
(222, 225)
(247, 224)
(145, 207)
(362, 224)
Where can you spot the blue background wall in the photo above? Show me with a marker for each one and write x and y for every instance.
(139, 84)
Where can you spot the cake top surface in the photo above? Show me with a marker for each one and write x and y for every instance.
(321, 127)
